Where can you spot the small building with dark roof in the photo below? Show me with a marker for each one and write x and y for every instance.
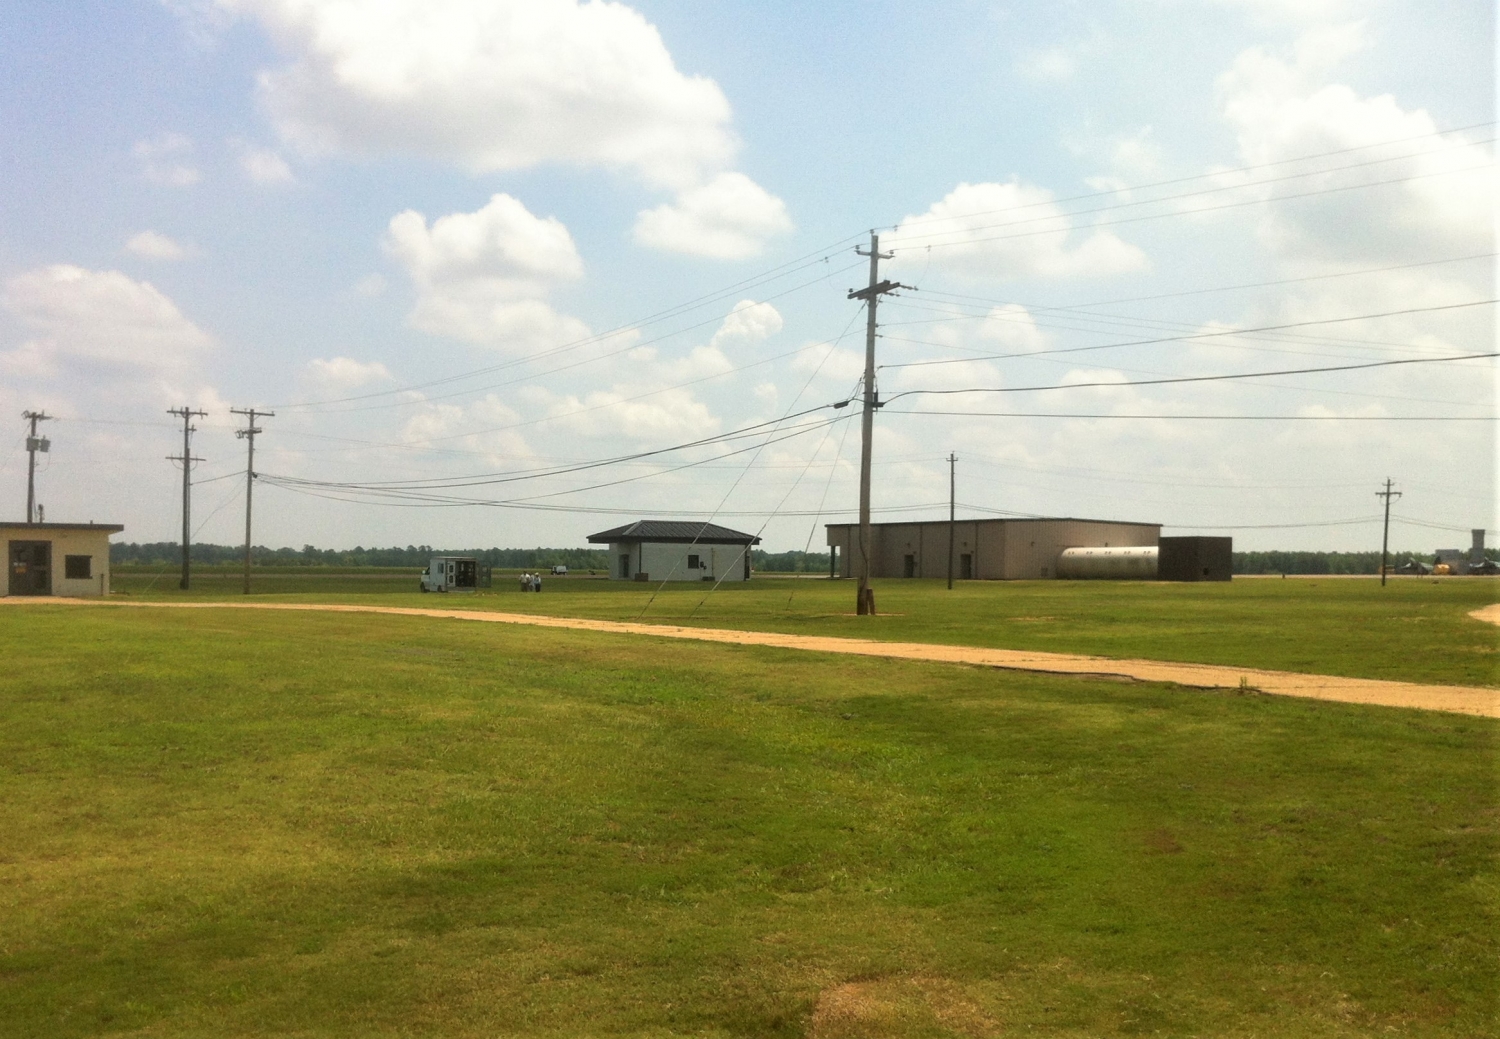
(56, 558)
(673, 550)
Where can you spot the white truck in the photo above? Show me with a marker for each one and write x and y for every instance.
(455, 574)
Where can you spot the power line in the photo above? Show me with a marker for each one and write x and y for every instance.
(248, 434)
(1220, 288)
(1209, 191)
(1191, 378)
(1201, 417)
(792, 266)
(1200, 210)
(1192, 337)
(186, 458)
(34, 444)
(865, 595)
(485, 479)
(1215, 173)
(1385, 538)
(428, 494)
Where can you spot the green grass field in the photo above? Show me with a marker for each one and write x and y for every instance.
(1412, 630)
(219, 823)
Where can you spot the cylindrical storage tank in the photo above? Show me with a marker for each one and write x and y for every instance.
(1136, 562)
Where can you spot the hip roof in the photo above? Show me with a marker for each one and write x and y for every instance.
(673, 531)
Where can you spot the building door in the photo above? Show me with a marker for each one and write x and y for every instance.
(966, 567)
(625, 566)
(910, 569)
(465, 573)
(31, 568)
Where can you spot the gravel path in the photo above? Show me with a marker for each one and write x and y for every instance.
(1452, 698)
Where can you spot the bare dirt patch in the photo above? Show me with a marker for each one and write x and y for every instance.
(897, 1007)
(1488, 614)
(1456, 699)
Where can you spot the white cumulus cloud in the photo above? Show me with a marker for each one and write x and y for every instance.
(262, 165)
(1012, 230)
(1051, 65)
(482, 277)
(748, 322)
(1281, 109)
(345, 373)
(490, 85)
(662, 417)
(152, 245)
(728, 218)
(167, 159)
(99, 318)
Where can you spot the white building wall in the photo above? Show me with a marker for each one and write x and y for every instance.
(668, 561)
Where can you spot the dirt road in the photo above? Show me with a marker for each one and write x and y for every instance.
(1451, 698)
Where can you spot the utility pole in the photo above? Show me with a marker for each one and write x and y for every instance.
(1385, 537)
(248, 435)
(187, 460)
(865, 601)
(952, 458)
(34, 444)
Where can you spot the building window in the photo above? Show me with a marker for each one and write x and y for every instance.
(78, 568)
(692, 562)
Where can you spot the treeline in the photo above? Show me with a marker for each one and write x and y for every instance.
(417, 556)
(1319, 562)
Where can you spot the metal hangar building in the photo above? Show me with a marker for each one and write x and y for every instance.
(988, 549)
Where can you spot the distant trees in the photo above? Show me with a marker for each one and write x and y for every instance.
(415, 556)
(789, 562)
(1318, 562)
(167, 553)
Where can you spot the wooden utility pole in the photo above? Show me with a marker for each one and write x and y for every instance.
(1385, 537)
(248, 435)
(952, 458)
(187, 460)
(865, 601)
(34, 444)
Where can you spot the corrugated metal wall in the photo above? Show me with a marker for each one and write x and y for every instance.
(999, 549)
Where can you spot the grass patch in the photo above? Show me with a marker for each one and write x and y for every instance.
(1412, 630)
(220, 823)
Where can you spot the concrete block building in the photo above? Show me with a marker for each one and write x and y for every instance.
(990, 549)
(57, 558)
(670, 550)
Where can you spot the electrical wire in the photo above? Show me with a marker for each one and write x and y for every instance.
(1199, 417)
(1189, 378)
(1221, 288)
(1217, 173)
(1201, 209)
(1189, 338)
(701, 301)
(1205, 191)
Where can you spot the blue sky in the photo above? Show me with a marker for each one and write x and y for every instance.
(285, 202)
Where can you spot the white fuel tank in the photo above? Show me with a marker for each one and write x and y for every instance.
(1133, 563)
